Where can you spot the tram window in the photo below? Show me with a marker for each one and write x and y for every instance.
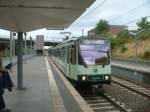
(68, 55)
(73, 55)
(63, 53)
(58, 53)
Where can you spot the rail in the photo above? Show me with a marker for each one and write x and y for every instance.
(100, 101)
(140, 89)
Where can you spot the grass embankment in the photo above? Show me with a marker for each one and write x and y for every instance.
(143, 50)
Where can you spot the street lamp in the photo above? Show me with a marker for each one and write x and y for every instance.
(136, 36)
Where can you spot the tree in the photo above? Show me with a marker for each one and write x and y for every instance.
(143, 23)
(121, 38)
(124, 35)
(102, 27)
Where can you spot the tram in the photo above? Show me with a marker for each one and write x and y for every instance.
(84, 60)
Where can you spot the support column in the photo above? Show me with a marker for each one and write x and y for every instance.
(14, 44)
(20, 60)
(25, 47)
(31, 46)
(11, 47)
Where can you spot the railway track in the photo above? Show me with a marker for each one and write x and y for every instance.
(140, 89)
(101, 102)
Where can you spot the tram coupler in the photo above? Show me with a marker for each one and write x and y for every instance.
(96, 88)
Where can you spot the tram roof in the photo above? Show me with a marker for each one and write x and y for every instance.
(79, 38)
(28, 15)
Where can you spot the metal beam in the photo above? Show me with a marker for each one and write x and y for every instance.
(20, 60)
(7, 41)
(44, 7)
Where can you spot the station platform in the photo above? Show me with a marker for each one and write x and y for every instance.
(133, 66)
(46, 90)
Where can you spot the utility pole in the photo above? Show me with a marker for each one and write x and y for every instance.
(136, 36)
(82, 33)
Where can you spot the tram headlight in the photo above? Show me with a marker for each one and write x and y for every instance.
(83, 78)
(106, 77)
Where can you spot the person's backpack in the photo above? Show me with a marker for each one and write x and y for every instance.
(9, 66)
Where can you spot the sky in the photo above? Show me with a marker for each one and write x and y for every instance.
(116, 12)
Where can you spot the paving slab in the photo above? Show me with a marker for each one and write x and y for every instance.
(37, 94)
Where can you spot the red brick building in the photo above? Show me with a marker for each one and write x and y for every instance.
(113, 29)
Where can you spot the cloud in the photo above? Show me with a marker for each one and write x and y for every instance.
(116, 12)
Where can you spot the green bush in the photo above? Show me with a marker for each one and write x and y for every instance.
(117, 42)
(113, 43)
(146, 55)
(123, 49)
(145, 35)
(122, 38)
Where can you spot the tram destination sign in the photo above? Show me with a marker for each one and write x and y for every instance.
(94, 41)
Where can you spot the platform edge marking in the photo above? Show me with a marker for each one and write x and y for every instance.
(58, 105)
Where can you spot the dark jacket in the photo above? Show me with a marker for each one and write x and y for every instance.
(5, 81)
(1, 84)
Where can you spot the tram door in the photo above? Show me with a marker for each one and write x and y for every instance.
(72, 64)
(68, 61)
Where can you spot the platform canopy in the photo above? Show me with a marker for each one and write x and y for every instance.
(28, 15)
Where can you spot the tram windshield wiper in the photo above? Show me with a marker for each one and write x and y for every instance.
(81, 61)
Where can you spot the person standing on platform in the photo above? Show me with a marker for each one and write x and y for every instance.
(5, 83)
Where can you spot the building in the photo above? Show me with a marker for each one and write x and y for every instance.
(39, 45)
(113, 29)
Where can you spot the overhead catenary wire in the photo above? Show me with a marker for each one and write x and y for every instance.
(135, 20)
(95, 8)
(121, 15)
(118, 17)
(87, 14)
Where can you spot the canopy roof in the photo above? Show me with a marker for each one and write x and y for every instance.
(28, 15)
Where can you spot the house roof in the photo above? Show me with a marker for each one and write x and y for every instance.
(117, 26)
(110, 27)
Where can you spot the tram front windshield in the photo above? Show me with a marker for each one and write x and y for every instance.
(93, 52)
